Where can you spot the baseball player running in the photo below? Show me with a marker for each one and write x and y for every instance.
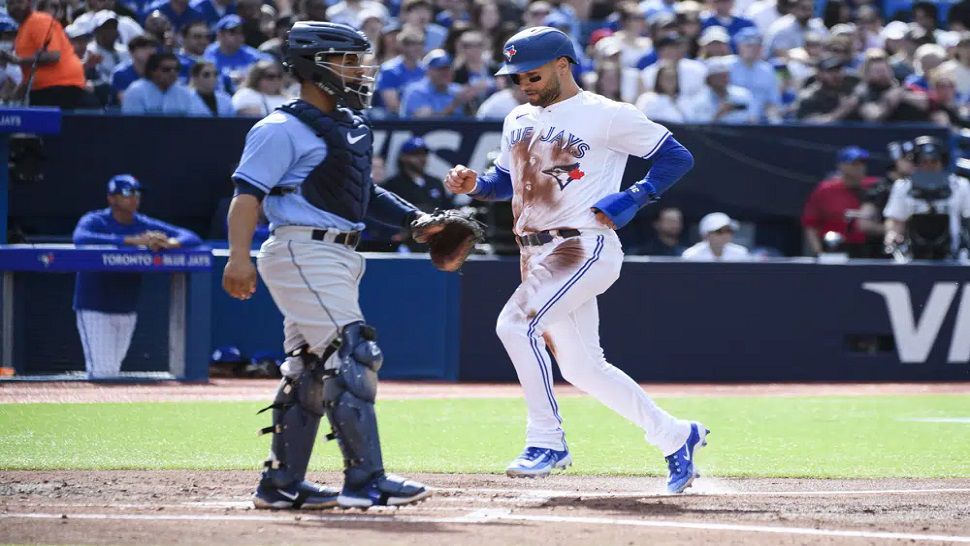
(562, 157)
(309, 165)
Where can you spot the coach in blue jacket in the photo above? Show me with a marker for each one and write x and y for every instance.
(105, 302)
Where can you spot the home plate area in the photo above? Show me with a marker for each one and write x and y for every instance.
(179, 507)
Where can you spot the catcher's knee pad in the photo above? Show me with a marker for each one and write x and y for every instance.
(297, 409)
(349, 400)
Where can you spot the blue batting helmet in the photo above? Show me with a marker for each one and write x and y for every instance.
(123, 184)
(534, 47)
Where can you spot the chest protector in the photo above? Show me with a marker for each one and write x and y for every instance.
(341, 184)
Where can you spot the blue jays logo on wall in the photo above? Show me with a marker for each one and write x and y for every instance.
(564, 174)
(510, 52)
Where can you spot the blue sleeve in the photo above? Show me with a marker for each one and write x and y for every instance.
(88, 232)
(186, 238)
(267, 156)
(671, 162)
(388, 80)
(389, 209)
(493, 186)
(133, 102)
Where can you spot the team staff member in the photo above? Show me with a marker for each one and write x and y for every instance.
(562, 157)
(59, 80)
(308, 164)
(105, 302)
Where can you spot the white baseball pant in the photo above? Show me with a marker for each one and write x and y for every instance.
(555, 307)
(105, 338)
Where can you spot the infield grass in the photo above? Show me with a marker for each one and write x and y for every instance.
(757, 437)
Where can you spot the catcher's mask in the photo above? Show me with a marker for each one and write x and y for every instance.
(331, 55)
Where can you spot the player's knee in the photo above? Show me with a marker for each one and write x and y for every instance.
(510, 322)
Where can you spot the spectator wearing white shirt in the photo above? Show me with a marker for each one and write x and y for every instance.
(107, 52)
(664, 103)
(721, 102)
(500, 104)
(690, 73)
(348, 12)
(128, 28)
(10, 73)
(717, 229)
(262, 92)
(789, 31)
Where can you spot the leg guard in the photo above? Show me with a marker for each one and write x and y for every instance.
(349, 400)
(297, 410)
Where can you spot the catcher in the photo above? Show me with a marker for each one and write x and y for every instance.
(308, 164)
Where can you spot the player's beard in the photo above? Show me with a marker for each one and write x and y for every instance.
(548, 95)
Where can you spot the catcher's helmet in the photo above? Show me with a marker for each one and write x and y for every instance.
(534, 47)
(308, 51)
(929, 147)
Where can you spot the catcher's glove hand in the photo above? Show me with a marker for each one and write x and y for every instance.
(450, 234)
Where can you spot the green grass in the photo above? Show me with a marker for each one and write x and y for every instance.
(769, 437)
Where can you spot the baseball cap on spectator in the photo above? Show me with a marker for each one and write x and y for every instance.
(79, 28)
(413, 145)
(437, 58)
(952, 38)
(715, 221)
(556, 19)
(714, 34)
(103, 17)
(852, 153)
(669, 40)
(748, 35)
(7, 24)
(718, 65)
(894, 30)
(599, 34)
(840, 29)
(123, 184)
(830, 63)
(229, 22)
(370, 13)
(662, 19)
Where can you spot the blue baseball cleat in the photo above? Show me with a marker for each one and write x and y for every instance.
(386, 490)
(305, 494)
(538, 462)
(681, 462)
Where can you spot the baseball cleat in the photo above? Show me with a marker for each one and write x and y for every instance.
(538, 462)
(681, 462)
(306, 495)
(386, 490)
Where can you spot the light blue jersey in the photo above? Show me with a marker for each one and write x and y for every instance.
(281, 151)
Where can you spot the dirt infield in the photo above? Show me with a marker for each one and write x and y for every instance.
(178, 507)
(169, 507)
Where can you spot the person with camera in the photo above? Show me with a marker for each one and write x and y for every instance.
(928, 211)
(844, 204)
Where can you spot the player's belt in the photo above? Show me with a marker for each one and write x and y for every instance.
(543, 237)
(349, 238)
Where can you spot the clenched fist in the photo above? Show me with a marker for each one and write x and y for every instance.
(461, 179)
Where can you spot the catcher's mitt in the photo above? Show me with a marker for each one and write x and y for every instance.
(450, 234)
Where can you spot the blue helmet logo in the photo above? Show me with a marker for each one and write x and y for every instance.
(534, 47)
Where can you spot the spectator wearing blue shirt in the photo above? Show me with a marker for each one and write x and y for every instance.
(213, 10)
(105, 303)
(720, 102)
(159, 91)
(401, 71)
(229, 52)
(722, 17)
(417, 15)
(756, 75)
(178, 12)
(208, 99)
(140, 48)
(436, 95)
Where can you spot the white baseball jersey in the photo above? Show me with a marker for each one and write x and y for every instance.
(565, 157)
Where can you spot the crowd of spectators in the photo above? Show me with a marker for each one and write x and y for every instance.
(720, 61)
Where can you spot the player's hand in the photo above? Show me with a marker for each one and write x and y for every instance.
(239, 278)
(460, 179)
(604, 219)
(142, 239)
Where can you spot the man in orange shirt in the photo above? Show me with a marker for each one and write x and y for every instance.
(59, 78)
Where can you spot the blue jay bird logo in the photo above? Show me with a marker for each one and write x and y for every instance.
(509, 53)
(564, 174)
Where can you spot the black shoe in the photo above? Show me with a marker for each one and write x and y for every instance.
(386, 490)
(306, 495)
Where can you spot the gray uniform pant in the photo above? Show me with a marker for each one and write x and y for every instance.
(315, 286)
